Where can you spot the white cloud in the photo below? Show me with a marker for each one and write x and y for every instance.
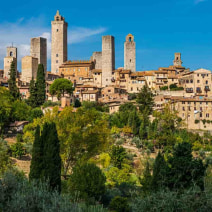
(20, 33)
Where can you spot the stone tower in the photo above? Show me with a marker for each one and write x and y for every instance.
(177, 59)
(129, 53)
(39, 50)
(108, 59)
(11, 56)
(59, 42)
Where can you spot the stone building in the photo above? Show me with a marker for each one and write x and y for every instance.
(11, 56)
(76, 71)
(97, 59)
(130, 53)
(197, 82)
(39, 50)
(29, 68)
(59, 52)
(108, 59)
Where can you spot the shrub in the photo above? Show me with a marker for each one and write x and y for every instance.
(119, 204)
(164, 88)
(137, 141)
(17, 150)
(19, 137)
(89, 180)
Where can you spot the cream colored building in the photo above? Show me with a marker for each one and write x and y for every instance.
(197, 82)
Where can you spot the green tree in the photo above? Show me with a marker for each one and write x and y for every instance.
(61, 86)
(146, 180)
(51, 156)
(17, 150)
(5, 107)
(12, 82)
(159, 177)
(89, 180)
(37, 165)
(77, 103)
(145, 100)
(5, 162)
(184, 170)
(20, 111)
(35, 113)
(33, 94)
(134, 121)
(143, 130)
(40, 85)
(118, 155)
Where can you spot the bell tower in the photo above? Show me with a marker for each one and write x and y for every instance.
(177, 59)
(130, 53)
(59, 53)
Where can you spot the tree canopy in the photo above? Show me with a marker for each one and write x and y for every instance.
(61, 86)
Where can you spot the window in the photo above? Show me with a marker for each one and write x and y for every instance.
(131, 89)
(11, 54)
(191, 81)
(183, 108)
(57, 30)
(130, 60)
(198, 75)
(56, 55)
(56, 61)
(130, 39)
(207, 115)
(206, 82)
(200, 115)
(198, 81)
(95, 78)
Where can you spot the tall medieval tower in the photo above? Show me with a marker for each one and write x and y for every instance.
(108, 59)
(59, 42)
(39, 50)
(177, 59)
(10, 57)
(130, 53)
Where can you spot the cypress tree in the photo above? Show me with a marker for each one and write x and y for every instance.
(12, 82)
(40, 85)
(51, 159)
(33, 94)
(37, 156)
(159, 172)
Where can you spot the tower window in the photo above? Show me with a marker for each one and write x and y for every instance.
(11, 54)
(130, 39)
(130, 60)
(57, 30)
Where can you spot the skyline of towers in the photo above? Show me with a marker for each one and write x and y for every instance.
(59, 47)
(130, 53)
(38, 49)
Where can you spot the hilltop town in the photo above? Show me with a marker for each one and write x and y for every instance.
(97, 79)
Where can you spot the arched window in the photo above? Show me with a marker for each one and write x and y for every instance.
(130, 39)
(11, 54)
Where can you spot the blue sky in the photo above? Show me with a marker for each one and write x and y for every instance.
(160, 27)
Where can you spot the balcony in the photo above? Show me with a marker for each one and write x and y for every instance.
(198, 90)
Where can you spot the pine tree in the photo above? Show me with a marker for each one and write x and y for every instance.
(33, 94)
(36, 167)
(51, 159)
(12, 82)
(159, 172)
(146, 181)
(40, 85)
